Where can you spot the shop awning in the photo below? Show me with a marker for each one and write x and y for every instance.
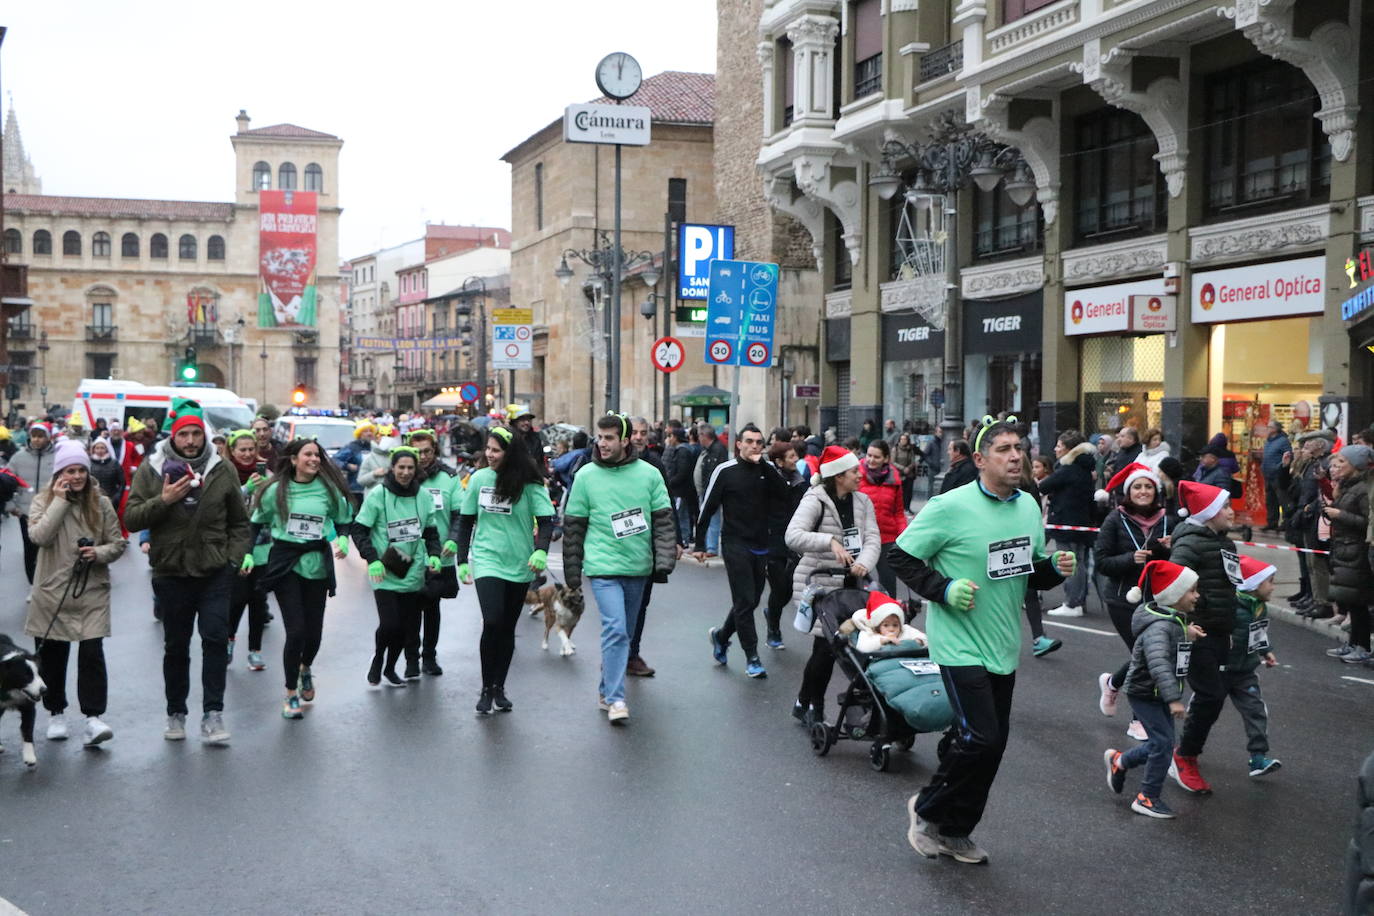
(443, 399)
(703, 396)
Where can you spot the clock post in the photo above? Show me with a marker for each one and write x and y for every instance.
(619, 76)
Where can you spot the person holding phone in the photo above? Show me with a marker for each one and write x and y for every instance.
(243, 455)
(306, 500)
(394, 532)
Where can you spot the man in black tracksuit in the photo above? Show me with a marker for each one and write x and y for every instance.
(743, 489)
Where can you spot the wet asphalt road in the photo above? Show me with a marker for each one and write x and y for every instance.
(402, 801)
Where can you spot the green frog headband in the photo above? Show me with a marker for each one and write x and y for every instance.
(404, 451)
(988, 423)
(501, 433)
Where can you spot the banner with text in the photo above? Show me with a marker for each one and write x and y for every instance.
(287, 249)
(407, 343)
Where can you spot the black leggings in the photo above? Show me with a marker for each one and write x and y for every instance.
(91, 683)
(245, 594)
(501, 601)
(816, 677)
(780, 570)
(302, 614)
(397, 614)
(1033, 608)
(1121, 613)
(1359, 623)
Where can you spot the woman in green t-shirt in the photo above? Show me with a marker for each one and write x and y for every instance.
(504, 502)
(242, 447)
(395, 534)
(306, 494)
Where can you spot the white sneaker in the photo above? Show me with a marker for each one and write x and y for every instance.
(1106, 702)
(176, 727)
(1137, 731)
(97, 732)
(1065, 610)
(57, 728)
(619, 713)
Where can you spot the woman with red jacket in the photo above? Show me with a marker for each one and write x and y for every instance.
(882, 484)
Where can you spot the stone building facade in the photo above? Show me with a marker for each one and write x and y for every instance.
(110, 280)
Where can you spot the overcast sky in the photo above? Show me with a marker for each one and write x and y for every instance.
(138, 99)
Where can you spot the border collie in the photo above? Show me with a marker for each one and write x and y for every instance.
(20, 688)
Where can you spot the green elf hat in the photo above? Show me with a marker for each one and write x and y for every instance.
(185, 412)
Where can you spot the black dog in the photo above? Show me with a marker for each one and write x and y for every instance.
(20, 688)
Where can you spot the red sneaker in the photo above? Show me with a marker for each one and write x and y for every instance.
(1185, 772)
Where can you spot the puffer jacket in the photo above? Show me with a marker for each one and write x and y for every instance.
(887, 503)
(1351, 579)
(378, 457)
(815, 524)
(1248, 609)
(1115, 550)
(1070, 492)
(1199, 548)
(1359, 855)
(1152, 674)
(34, 467)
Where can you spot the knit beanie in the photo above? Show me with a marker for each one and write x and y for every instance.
(67, 453)
(185, 413)
(1359, 456)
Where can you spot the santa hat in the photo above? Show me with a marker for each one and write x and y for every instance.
(879, 608)
(835, 460)
(69, 452)
(1167, 582)
(185, 413)
(42, 427)
(1253, 572)
(1200, 501)
(1128, 475)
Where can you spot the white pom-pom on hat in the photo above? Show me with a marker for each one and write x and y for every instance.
(1134, 595)
(1101, 496)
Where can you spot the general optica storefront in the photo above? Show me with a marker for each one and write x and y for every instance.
(1265, 353)
(913, 369)
(1002, 355)
(1121, 369)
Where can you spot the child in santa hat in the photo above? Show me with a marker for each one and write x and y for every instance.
(1154, 681)
(1250, 646)
(881, 623)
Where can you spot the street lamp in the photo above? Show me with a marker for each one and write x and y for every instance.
(609, 263)
(43, 348)
(474, 289)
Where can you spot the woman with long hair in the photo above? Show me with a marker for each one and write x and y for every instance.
(305, 501)
(1352, 581)
(506, 522)
(242, 448)
(77, 533)
(395, 534)
(883, 485)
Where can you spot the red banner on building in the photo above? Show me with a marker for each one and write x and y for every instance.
(287, 222)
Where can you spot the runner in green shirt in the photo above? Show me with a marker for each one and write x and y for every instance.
(503, 540)
(395, 534)
(441, 483)
(307, 494)
(971, 553)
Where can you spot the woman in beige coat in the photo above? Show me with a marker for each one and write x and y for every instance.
(70, 601)
(834, 526)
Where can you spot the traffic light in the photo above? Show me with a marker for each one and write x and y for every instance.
(190, 371)
(298, 396)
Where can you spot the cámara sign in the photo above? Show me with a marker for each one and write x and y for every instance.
(625, 125)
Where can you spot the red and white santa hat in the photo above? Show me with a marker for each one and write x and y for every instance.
(1201, 501)
(879, 608)
(1166, 582)
(1253, 572)
(1123, 479)
(834, 460)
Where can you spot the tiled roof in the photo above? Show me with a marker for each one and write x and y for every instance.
(676, 96)
(288, 130)
(118, 208)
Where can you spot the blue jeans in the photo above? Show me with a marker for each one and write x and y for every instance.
(1158, 750)
(713, 534)
(618, 598)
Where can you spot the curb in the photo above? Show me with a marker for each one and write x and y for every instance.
(1281, 611)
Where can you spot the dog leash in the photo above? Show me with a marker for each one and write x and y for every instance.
(81, 571)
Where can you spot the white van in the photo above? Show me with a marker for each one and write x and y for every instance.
(120, 399)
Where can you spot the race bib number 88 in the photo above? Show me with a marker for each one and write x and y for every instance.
(628, 523)
(1010, 558)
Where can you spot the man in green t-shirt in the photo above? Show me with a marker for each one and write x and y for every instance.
(972, 552)
(618, 528)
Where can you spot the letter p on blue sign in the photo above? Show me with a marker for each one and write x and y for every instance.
(698, 245)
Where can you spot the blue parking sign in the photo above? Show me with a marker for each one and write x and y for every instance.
(740, 313)
(697, 246)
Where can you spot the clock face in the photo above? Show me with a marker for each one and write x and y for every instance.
(618, 75)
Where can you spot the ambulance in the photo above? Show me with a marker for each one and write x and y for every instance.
(120, 399)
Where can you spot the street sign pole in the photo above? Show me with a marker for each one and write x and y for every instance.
(613, 364)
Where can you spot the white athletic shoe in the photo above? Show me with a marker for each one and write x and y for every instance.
(57, 728)
(97, 732)
(1106, 702)
(1065, 610)
(1137, 731)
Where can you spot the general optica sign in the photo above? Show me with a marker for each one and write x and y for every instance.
(1274, 290)
(1105, 309)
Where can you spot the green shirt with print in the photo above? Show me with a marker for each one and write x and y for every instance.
(618, 503)
(446, 495)
(504, 535)
(968, 534)
(400, 522)
(313, 513)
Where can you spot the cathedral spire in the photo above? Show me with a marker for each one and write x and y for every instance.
(19, 177)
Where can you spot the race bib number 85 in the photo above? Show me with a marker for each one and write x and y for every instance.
(305, 527)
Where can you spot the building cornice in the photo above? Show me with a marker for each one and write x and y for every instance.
(1004, 278)
(1260, 236)
(1115, 260)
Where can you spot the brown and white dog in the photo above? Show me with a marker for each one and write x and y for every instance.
(562, 608)
(20, 688)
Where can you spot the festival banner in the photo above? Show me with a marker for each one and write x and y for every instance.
(286, 258)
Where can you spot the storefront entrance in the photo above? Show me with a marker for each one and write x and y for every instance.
(913, 369)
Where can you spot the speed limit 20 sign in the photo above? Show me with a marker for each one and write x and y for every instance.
(668, 354)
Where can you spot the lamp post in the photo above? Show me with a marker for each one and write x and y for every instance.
(263, 356)
(609, 263)
(396, 368)
(955, 155)
(43, 349)
(475, 288)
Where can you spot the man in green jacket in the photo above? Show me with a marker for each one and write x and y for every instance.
(618, 528)
(189, 501)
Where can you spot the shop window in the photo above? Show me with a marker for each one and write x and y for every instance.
(1118, 189)
(262, 176)
(214, 248)
(128, 245)
(71, 243)
(314, 177)
(42, 242)
(1003, 230)
(100, 245)
(286, 177)
(157, 246)
(14, 242)
(1121, 382)
(1265, 148)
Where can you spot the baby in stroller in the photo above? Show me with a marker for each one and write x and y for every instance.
(882, 623)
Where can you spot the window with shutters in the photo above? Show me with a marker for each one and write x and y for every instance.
(867, 22)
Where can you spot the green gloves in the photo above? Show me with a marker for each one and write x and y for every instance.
(341, 545)
(376, 570)
(538, 560)
(433, 563)
(959, 594)
(450, 548)
(464, 572)
(247, 565)
(1073, 562)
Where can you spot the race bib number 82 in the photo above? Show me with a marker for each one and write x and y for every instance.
(1010, 558)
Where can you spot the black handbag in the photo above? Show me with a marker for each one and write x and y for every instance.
(441, 584)
(395, 562)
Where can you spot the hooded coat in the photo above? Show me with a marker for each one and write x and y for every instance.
(55, 525)
(1352, 582)
(1152, 674)
(1070, 492)
(815, 524)
(379, 458)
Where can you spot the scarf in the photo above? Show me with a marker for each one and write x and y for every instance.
(244, 470)
(1146, 523)
(878, 478)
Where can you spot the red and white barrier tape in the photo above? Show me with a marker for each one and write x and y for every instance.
(1241, 543)
(1071, 528)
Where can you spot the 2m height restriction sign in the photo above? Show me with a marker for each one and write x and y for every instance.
(668, 354)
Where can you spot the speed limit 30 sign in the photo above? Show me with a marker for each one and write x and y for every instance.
(668, 354)
(720, 350)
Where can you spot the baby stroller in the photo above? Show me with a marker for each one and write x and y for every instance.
(865, 711)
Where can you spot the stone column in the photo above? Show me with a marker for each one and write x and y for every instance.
(813, 55)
